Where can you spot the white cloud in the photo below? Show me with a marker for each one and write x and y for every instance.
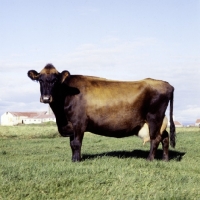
(115, 59)
(11, 106)
(189, 114)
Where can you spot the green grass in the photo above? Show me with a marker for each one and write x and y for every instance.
(34, 167)
(44, 130)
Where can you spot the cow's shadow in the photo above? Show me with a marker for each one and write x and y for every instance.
(173, 155)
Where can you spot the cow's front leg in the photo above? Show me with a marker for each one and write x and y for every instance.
(76, 143)
(66, 130)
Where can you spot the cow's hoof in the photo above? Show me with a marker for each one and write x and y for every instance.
(76, 158)
(150, 158)
(166, 159)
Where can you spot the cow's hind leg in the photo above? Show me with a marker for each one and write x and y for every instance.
(154, 122)
(165, 145)
(155, 119)
(153, 147)
(76, 143)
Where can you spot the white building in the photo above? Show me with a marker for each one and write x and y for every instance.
(14, 118)
(197, 123)
(177, 124)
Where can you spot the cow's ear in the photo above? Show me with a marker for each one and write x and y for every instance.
(32, 74)
(64, 75)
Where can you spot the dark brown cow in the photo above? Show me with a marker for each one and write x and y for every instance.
(106, 107)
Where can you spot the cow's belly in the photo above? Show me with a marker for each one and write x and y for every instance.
(107, 117)
(114, 125)
(117, 133)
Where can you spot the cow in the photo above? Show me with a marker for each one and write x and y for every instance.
(106, 107)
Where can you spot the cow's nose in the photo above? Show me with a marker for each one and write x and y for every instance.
(46, 99)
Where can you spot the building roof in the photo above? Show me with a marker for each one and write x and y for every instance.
(198, 121)
(44, 116)
(29, 114)
(177, 123)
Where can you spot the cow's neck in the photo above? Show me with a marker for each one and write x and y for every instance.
(58, 110)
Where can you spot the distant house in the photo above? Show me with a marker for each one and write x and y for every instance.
(14, 118)
(197, 123)
(177, 124)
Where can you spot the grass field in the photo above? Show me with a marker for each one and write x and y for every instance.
(35, 163)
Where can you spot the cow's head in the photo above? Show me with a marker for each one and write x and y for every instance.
(49, 79)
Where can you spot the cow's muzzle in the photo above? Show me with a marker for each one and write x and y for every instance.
(46, 99)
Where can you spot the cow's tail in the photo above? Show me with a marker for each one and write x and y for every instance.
(172, 126)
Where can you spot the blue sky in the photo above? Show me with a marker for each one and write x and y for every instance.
(123, 40)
